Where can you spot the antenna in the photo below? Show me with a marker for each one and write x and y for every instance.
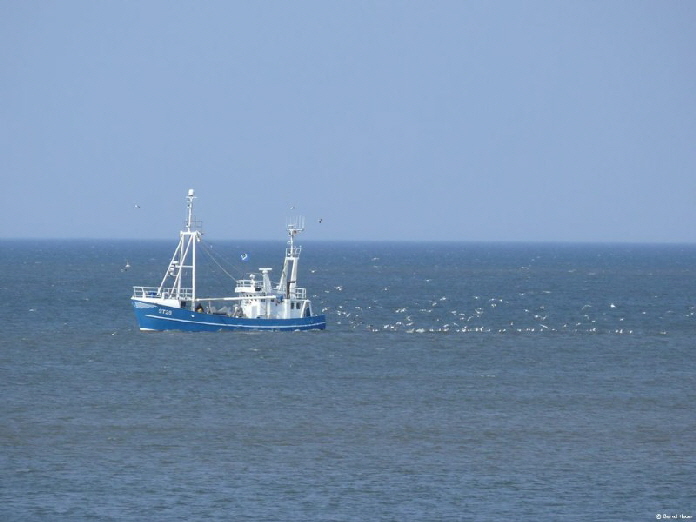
(189, 207)
(295, 225)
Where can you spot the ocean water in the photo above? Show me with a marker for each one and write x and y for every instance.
(456, 381)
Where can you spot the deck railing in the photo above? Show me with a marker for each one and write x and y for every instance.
(186, 294)
(142, 292)
(249, 285)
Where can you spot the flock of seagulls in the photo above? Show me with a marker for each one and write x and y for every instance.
(489, 316)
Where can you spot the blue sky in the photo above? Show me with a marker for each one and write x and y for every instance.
(444, 120)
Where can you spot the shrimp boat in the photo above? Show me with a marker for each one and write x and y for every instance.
(257, 305)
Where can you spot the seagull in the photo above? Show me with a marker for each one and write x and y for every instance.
(137, 206)
(321, 219)
(126, 267)
(244, 256)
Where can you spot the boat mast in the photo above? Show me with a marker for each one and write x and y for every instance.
(186, 247)
(288, 278)
(193, 237)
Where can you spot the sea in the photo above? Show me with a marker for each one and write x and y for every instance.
(454, 382)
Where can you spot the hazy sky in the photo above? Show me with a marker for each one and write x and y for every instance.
(390, 120)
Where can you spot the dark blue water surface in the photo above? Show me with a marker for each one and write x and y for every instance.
(454, 382)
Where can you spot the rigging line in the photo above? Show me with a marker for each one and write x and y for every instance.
(209, 251)
(213, 258)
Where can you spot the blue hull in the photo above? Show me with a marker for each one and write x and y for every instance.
(159, 318)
